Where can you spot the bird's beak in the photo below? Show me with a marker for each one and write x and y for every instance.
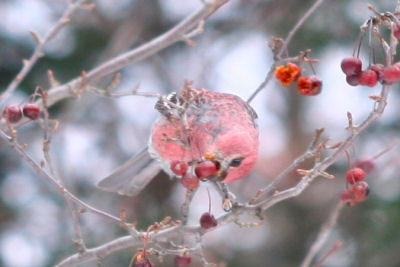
(223, 166)
(223, 169)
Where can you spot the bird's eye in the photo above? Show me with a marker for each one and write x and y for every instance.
(236, 162)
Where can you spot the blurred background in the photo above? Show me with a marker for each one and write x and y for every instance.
(96, 134)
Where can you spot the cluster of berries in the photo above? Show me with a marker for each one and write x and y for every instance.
(306, 85)
(202, 170)
(352, 67)
(13, 113)
(359, 189)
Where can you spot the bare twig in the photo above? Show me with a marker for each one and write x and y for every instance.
(12, 142)
(335, 248)
(323, 234)
(40, 43)
(310, 152)
(172, 36)
(185, 206)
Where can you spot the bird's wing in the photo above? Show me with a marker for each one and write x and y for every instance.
(130, 178)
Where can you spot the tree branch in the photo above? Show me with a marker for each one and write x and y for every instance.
(159, 43)
(40, 44)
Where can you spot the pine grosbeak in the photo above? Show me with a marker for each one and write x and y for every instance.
(195, 126)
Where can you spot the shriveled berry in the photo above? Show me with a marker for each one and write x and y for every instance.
(355, 175)
(31, 110)
(356, 194)
(309, 85)
(189, 181)
(12, 113)
(208, 221)
(179, 167)
(206, 169)
(368, 77)
(182, 261)
(352, 80)
(144, 262)
(351, 66)
(367, 164)
(392, 73)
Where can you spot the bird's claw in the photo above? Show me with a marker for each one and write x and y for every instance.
(227, 204)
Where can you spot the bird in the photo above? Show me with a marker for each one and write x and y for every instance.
(194, 126)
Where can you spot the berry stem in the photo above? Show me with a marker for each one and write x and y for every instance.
(357, 45)
(394, 143)
(209, 200)
(185, 206)
(348, 159)
(370, 44)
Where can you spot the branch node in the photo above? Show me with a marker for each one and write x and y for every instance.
(52, 80)
(36, 37)
(353, 128)
(304, 172)
(326, 175)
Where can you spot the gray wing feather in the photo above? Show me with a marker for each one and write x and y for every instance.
(130, 178)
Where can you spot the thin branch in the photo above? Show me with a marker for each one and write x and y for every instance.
(51, 179)
(323, 234)
(78, 240)
(146, 50)
(40, 44)
(335, 248)
(309, 153)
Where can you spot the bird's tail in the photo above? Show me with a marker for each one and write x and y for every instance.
(130, 178)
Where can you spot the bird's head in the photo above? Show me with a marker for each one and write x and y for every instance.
(235, 153)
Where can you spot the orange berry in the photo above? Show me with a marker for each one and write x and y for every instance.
(286, 75)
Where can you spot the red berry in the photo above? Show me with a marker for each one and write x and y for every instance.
(367, 164)
(351, 66)
(182, 261)
(378, 68)
(189, 181)
(206, 169)
(208, 221)
(352, 80)
(355, 175)
(368, 77)
(392, 73)
(12, 113)
(309, 85)
(356, 194)
(179, 167)
(32, 111)
(144, 262)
